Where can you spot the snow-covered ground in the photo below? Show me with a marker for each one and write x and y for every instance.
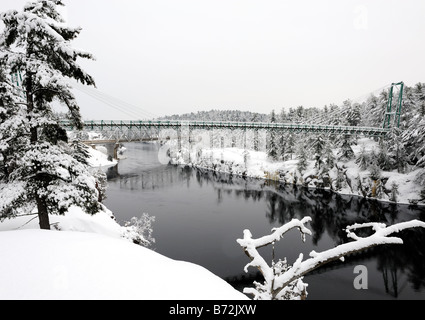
(99, 157)
(93, 257)
(56, 265)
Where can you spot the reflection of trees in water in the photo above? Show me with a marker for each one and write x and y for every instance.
(331, 213)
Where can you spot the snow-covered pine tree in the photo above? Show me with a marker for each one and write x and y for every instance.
(329, 157)
(346, 152)
(363, 159)
(383, 159)
(419, 92)
(302, 160)
(36, 42)
(289, 146)
(374, 113)
(319, 145)
(353, 114)
(101, 184)
(13, 126)
(272, 151)
(396, 149)
(13, 133)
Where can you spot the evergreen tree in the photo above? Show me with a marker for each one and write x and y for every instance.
(329, 157)
(319, 145)
(397, 152)
(36, 42)
(302, 160)
(272, 148)
(353, 114)
(383, 160)
(281, 147)
(346, 152)
(374, 112)
(290, 145)
(363, 159)
(101, 184)
(375, 172)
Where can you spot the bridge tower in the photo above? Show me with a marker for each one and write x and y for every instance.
(394, 111)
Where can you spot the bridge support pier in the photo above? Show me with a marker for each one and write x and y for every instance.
(116, 147)
(112, 149)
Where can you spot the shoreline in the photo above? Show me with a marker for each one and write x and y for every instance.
(285, 174)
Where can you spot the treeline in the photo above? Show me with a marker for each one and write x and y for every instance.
(221, 115)
(403, 149)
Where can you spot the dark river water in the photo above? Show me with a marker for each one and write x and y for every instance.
(200, 215)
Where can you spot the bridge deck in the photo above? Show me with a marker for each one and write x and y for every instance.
(208, 125)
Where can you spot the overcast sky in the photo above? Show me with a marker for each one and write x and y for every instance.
(177, 56)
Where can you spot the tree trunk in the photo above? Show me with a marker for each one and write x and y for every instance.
(43, 215)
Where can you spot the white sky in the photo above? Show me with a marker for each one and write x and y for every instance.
(177, 56)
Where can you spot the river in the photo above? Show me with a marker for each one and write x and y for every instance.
(199, 216)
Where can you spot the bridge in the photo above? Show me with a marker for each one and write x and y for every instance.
(101, 125)
(116, 132)
(119, 131)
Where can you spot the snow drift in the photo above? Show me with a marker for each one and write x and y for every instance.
(53, 265)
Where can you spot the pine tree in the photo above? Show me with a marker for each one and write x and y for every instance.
(375, 172)
(353, 114)
(36, 42)
(101, 184)
(397, 152)
(383, 160)
(302, 160)
(290, 145)
(346, 152)
(329, 156)
(363, 159)
(319, 146)
(272, 148)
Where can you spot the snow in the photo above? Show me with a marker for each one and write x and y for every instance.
(98, 158)
(93, 258)
(52, 265)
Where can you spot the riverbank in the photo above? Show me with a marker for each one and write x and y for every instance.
(345, 177)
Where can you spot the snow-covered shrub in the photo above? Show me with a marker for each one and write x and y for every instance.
(139, 230)
(394, 192)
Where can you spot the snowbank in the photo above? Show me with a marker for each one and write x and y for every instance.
(90, 258)
(99, 159)
(51, 265)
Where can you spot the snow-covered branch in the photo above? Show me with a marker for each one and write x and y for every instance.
(276, 283)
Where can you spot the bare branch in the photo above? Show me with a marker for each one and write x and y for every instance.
(277, 283)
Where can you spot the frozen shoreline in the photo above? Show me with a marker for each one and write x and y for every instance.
(354, 181)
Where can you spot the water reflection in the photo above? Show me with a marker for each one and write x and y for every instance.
(399, 268)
